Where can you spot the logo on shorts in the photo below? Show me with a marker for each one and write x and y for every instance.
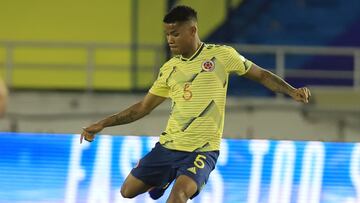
(208, 65)
(192, 170)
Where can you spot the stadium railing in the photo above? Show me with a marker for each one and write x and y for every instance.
(9, 63)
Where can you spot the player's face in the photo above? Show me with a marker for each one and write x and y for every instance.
(180, 37)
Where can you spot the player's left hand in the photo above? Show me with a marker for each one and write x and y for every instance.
(302, 94)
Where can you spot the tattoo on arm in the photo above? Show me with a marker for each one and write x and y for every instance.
(275, 83)
(127, 116)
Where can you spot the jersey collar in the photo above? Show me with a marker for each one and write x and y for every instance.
(197, 52)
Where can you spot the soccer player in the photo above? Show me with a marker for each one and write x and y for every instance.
(196, 80)
(3, 97)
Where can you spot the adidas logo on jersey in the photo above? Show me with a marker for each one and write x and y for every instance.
(192, 170)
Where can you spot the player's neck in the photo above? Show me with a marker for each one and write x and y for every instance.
(193, 49)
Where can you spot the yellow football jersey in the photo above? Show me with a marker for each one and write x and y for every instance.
(197, 87)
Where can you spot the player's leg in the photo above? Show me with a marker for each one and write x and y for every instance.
(193, 175)
(153, 170)
(133, 186)
(183, 189)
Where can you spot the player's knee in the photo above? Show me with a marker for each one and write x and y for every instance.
(126, 192)
(179, 195)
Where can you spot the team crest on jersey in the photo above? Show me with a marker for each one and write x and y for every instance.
(208, 65)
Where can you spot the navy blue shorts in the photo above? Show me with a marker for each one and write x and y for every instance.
(161, 166)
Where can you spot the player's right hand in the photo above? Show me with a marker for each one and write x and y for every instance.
(89, 132)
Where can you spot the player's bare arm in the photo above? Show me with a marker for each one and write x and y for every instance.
(131, 114)
(277, 84)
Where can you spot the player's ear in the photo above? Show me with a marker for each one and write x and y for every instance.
(193, 30)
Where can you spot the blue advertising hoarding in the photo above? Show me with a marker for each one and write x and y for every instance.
(56, 168)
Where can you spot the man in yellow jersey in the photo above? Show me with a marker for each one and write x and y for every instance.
(196, 80)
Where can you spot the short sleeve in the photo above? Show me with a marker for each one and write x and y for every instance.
(237, 63)
(160, 88)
